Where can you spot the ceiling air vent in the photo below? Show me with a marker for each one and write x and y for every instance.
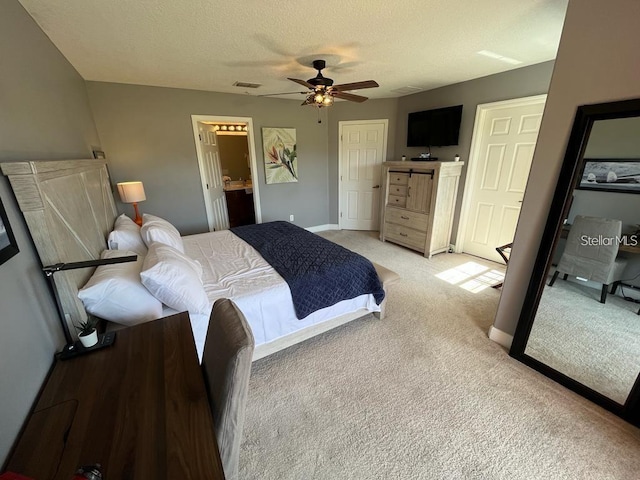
(406, 90)
(247, 85)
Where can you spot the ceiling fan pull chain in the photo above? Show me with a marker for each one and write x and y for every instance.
(319, 119)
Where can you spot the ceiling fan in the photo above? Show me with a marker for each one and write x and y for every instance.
(323, 91)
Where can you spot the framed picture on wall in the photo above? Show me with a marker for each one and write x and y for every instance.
(280, 155)
(8, 245)
(611, 175)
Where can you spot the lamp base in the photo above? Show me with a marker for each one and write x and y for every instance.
(138, 218)
(76, 349)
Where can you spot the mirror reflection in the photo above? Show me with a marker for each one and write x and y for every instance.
(587, 324)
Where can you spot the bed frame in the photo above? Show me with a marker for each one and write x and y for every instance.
(69, 209)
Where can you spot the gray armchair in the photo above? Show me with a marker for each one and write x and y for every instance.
(591, 252)
(226, 364)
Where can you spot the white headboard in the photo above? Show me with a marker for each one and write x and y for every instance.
(69, 209)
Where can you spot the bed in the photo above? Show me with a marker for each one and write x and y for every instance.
(70, 211)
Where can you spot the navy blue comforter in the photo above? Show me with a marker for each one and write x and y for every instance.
(320, 273)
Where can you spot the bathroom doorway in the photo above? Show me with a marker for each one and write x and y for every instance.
(227, 161)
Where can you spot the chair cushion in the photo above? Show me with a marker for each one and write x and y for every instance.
(226, 364)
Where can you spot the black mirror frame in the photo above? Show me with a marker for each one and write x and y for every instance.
(567, 181)
(12, 249)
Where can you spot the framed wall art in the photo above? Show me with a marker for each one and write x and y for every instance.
(280, 155)
(8, 245)
(611, 175)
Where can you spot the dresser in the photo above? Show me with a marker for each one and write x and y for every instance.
(139, 408)
(419, 200)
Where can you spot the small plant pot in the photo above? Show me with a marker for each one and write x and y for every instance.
(89, 339)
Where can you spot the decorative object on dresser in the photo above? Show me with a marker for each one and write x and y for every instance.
(87, 333)
(8, 245)
(132, 192)
(419, 203)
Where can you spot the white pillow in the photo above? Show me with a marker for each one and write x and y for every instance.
(174, 279)
(126, 236)
(115, 293)
(156, 229)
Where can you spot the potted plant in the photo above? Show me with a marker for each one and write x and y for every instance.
(87, 332)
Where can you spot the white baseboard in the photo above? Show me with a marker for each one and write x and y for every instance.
(322, 228)
(500, 337)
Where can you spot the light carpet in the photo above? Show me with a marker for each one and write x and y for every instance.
(423, 394)
(594, 343)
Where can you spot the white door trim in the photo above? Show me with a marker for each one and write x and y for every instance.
(341, 125)
(252, 156)
(482, 111)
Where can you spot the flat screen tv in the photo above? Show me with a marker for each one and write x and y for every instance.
(434, 128)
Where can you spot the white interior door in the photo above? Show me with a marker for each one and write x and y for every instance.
(363, 148)
(506, 139)
(211, 172)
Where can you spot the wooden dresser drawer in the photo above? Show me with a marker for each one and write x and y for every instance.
(398, 178)
(407, 218)
(405, 236)
(400, 190)
(397, 200)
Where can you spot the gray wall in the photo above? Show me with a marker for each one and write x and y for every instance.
(44, 114)
(147, 135)
(597, 62)
(523, 82)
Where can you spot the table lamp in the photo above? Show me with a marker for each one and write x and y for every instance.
(132, 192)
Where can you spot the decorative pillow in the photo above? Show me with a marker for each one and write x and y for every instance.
(156, 229)
(115, 293)
(126, 236)
(174, 279)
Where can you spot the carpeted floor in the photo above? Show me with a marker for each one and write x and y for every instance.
(423, 394)
(594, 343)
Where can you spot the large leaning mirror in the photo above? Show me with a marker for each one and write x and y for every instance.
(580, 322)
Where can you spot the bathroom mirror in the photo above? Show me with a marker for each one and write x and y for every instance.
(576, 326)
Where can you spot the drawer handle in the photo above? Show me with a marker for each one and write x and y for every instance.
(403, 234)
(403, 217)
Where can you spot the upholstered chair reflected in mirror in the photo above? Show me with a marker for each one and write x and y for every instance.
(591, 252)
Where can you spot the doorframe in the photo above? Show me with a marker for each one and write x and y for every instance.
(482, 110)
(341, 125)
(253, 165)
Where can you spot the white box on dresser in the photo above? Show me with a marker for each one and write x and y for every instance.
(419, 200)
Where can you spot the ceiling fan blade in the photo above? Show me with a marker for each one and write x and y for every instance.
(304, 83)
(283, 93)
(355, 85)
(349, 96)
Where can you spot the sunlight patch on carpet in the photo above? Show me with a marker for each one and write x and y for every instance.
(472, 276)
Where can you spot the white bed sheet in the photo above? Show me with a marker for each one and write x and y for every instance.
(234, 269)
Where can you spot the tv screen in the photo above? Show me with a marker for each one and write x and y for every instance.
(434, 128)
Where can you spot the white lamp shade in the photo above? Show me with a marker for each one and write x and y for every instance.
(131, 192)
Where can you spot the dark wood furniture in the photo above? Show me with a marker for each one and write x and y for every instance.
(240, 207)
(138, 408)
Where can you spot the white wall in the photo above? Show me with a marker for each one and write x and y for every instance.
(598, 61)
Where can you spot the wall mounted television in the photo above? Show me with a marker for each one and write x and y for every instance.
(434, 128)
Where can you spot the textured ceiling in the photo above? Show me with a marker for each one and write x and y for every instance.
(210, 44)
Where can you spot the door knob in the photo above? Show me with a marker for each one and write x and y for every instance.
(376, 186)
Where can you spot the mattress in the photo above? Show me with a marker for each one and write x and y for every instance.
(233, 269)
